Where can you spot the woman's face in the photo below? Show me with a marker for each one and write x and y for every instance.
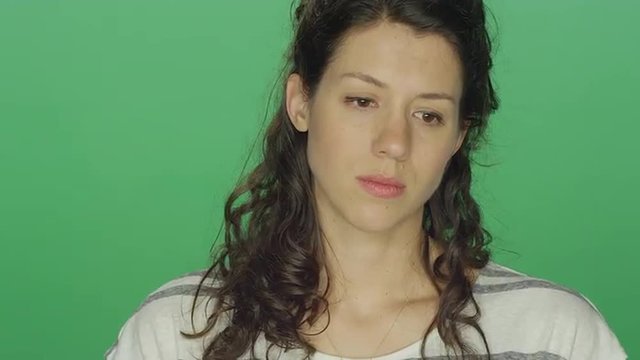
(388, 106)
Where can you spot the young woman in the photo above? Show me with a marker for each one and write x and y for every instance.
(357, 236)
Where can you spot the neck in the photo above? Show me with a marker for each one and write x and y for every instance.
(369, 270)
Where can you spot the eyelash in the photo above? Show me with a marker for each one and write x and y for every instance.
(351, 99)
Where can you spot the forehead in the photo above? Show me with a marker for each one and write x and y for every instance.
(398, 56)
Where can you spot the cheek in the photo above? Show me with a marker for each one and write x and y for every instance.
(324, 144)
(430, 167)
(435, 148)
(332, 144)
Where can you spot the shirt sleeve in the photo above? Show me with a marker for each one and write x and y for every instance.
(148, 334)
(594, 340)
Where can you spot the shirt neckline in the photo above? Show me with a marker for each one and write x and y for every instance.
(404, 352)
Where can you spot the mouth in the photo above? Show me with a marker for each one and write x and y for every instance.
(381, 187)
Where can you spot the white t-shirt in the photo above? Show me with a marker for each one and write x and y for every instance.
(522, 317)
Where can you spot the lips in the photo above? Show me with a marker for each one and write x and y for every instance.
(382, 187)
(382, 180)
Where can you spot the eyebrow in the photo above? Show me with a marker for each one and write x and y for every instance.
(371, 80)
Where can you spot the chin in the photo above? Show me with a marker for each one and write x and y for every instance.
(374, 218)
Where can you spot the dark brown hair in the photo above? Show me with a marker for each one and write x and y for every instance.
(268, 268)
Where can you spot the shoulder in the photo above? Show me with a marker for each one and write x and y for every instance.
(503, 291)
(152, 331)
(535, 313)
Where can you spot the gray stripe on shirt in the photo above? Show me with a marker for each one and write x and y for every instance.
(518, 285)
(510, 355)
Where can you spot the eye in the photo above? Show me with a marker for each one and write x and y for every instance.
(429, 117)
(360, 102)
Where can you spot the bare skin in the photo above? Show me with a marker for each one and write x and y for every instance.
(388, 104)
(366, 321)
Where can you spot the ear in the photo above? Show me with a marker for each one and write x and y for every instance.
(297, 103)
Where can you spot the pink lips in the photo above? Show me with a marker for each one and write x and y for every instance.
(382, 187)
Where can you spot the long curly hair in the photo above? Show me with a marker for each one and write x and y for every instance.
(268, 268)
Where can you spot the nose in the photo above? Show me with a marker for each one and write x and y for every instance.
(393, 138)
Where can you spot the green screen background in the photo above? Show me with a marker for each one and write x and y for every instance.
(124, 124)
